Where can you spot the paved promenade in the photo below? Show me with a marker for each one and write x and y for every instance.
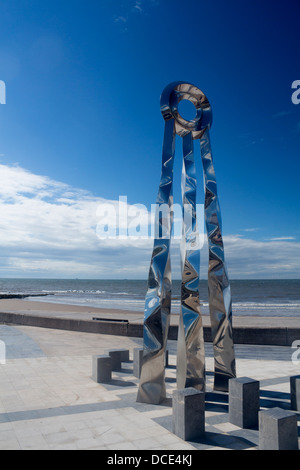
(48, 399)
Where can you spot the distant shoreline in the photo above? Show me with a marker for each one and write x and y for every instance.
(21, 296)
(249, 298)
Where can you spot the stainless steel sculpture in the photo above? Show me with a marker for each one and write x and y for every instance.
(190, 352)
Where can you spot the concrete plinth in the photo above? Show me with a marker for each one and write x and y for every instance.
(102, 367)
(123, 353)
(137, 361)
(295, 392)
(117, 357)
(278, 430)
(244, 402)
(167, 358)
(189, 413)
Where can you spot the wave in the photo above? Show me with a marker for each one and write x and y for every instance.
(74, 291)
(132, 297)
(86, 291)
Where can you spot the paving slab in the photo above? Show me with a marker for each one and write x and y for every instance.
(48, 399)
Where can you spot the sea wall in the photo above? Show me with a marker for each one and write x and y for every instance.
(283, 336)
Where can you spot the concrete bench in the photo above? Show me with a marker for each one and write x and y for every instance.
(244, 402)
(188, 419)
(278, 430)
(102, 367)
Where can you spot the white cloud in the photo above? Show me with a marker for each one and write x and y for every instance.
(274, 259)
(254, 229)
(281, 238)
(48, 229)
(281, 114)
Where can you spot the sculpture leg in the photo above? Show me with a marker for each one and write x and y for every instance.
(158, 297)
(190, 352)
(220, 304)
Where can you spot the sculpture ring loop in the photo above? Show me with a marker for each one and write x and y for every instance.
(170, 99)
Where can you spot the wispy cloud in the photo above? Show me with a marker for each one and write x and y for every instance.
(247, 138)
(276, 239)
(257, 141)
(138, 6)
(281, 114)
(252, 229)
(120, 19)
(132, 7)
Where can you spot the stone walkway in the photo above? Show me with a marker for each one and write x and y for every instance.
(49, 401)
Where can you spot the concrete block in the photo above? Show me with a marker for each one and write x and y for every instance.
(188, 414)
(102, 369)
(166, 358)
(137, 361)
(244, 402)
(278, 430)
(115, 360)
(295, 392)
(123, 353)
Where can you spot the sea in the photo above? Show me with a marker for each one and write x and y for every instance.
(279, 298)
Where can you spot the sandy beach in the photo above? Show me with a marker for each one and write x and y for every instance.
(41, 308)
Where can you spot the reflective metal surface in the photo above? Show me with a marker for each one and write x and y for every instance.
(171, 97)
(158, 297)
(219, 294)
(190, 348)
(190, 353)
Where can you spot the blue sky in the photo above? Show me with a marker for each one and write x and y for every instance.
(82, 124)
